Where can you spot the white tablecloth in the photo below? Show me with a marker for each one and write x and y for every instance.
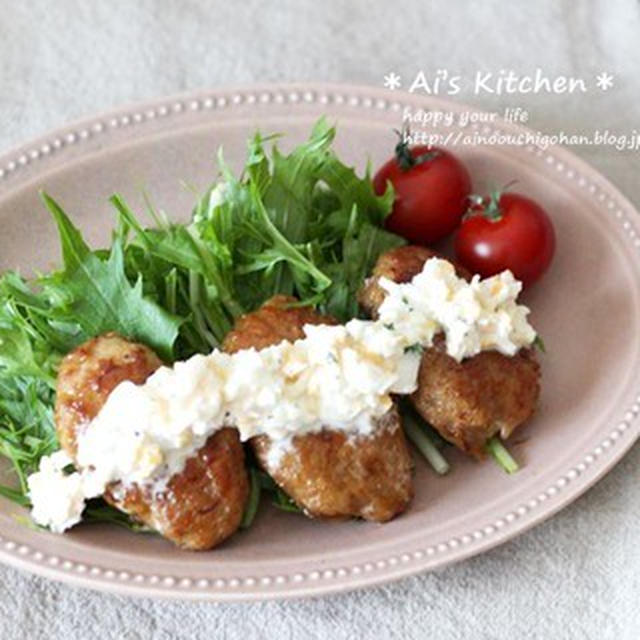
(576, 576)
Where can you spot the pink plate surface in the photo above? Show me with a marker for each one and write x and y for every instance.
(587, 310)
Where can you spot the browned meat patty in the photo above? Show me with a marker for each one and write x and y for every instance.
(467, 402)
(271, 324)
(326, 473)
(203, 504)
(398, 265)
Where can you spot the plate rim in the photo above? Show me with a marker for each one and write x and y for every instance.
(565, 489)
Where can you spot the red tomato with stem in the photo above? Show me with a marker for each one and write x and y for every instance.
(506, 231)
(431, 187)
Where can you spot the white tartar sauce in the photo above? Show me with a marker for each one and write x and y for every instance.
(57, 498)
(480, 315)
(336, 377)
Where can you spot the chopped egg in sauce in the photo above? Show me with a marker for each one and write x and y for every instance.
(338, 377)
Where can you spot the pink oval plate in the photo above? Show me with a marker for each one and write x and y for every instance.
(587, 309)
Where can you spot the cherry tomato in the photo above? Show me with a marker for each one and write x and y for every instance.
(506, 231)
(431, 187)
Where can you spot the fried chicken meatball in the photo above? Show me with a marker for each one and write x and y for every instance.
(203, 504)
(327, 473)
(399, 265)
(467, 402)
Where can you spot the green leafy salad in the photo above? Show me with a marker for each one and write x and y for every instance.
(302, 224)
